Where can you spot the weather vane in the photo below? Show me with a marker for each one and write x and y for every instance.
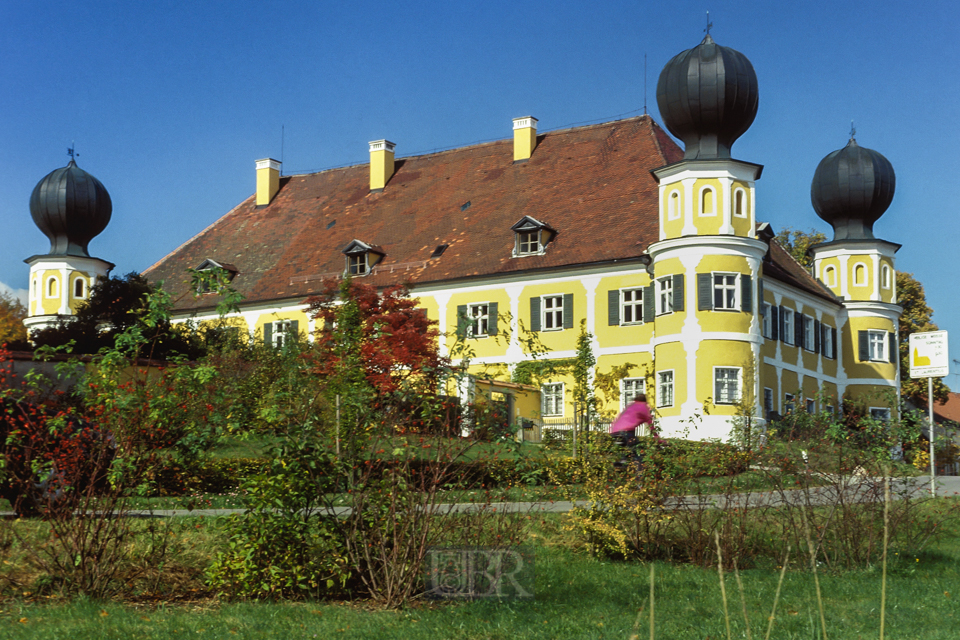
(853, 131)
(70, 151)
(709, 24)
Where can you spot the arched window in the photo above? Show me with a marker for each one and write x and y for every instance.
(79, 290)
(673, 206)
(860, 275)
(740, 203)
(885, 276)
(708, 202)
(830, 276)
(53, 287)
(36, 288)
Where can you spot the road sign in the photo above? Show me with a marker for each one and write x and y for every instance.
(929, 357)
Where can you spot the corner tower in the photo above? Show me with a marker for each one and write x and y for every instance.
(852, 188)
(70, 207)
(707, 262)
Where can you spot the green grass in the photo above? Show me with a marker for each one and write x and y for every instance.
(576, 597)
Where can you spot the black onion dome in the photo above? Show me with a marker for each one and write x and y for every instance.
(708, 97)
(71, 207)
(851, 189)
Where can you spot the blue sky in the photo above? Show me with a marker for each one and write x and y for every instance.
(170, 103)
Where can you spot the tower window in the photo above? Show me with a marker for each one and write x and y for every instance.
(725, 291)
(708, 202)
(665, 389)
(885, 277)
(79, 290)
(830, 277)
(860, 275)
(673, 206)
(53, 287)
(726, 385)
(875, 345)
(740, 203)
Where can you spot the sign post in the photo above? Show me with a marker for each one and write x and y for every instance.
(929, 358)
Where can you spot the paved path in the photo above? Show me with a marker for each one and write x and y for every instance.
(854, 491)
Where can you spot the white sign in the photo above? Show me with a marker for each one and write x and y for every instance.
(929, 357)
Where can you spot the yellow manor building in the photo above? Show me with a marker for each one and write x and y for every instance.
(657, 248)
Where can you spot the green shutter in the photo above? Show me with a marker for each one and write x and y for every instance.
(833, 352)
(568, 311)
(817, 330)
(704, 291)
(268, 334)
(649, 303)
(746, 293)
(760, 295)
(535, 313)
(864, 339)
(613, 307)
(774, 322)
(894, 347)
(461, 321)
(678, 292)
(798, 329)
(294, 330)
(492, 318)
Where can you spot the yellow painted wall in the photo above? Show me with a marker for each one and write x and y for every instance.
(837, 274)
(490, 346)
(50, 304)
(851, 350)
(708, 225)
(874, 396)
(721, 353)
(736, 321)
(887, 294)
(673, 355)
(741, 224)
(286, 314)
(673, 228)
(563, 339)
(643, 368)
(860, 292)
(672, 323)
(619, 335)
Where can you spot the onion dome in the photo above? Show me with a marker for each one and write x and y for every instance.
(70, 207)
(708, 98)
(851, 189)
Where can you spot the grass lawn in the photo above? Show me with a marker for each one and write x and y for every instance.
(576, 597)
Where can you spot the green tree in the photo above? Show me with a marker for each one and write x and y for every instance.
(12, 313)
(917, 317)
(583, 364)
(796, 243)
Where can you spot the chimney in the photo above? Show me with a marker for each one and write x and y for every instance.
(381, 163)
(524, 137)
(268, 180)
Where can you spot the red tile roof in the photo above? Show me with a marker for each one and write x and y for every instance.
(591, 184)
(950, 410)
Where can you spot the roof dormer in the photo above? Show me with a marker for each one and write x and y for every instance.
(229, 271)
(531, 237)
(361, 258)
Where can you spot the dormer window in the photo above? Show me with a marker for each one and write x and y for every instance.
(361, 258)
(531, 237)
(203, 284)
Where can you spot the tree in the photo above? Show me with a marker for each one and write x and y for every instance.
(115, 306)
(797, 242)
(12, 313)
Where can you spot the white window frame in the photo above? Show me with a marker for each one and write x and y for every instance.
(551, 403)
(788, 402)
(728, 288)
(665, 388)
(737, 379)
(768, 407)
(830, 276)
(629, 388)
(673, 205)
(632, 307)
(281, 329)
(478, 317)
(877, 345)
(742, 194)
(880, 413)
(885, 279)
(788, 334)
(358, 264)
(767, 322)
(858, 269)
(83, 288)
(529, 243)
(553, 313)
(52, 290)
(830, 409)
(810, 405)
(827, 347)
(664, 295)
(809, 333)
(713, 196)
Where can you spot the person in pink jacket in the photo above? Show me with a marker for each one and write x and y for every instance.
(624, 428)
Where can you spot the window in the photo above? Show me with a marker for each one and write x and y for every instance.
(726, 385)
(552, 399)
(786, 325)
(811, 405)
(767, 321)
(361, 258)
(665, 389)
(767, 402)
(53, 288)
(530, 237)
(725, 291)
(479, 319)
(809, 334)
(36, 288)
(357, 264)
(885, 276)
(880, 413)
(664, 295)
(552, 313)
(827, 341)
(280, 333)
(708, 202)
(788, 402)
(631, 306)
(830, 277)
(860, 275)
(630, 388)
(673, 206)
(876, 346)
(79, 290)
(740, 203)
(830, 409)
